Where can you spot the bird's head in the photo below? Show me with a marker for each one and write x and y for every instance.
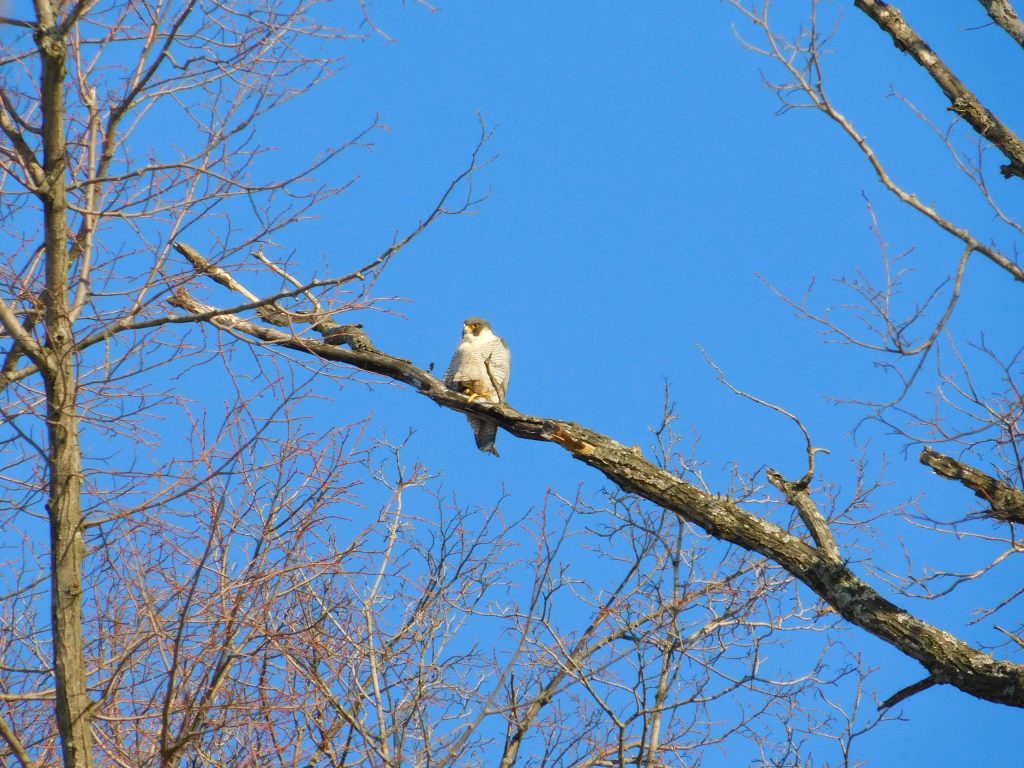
(474, 326)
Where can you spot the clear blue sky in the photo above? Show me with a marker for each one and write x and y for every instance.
(642, 183)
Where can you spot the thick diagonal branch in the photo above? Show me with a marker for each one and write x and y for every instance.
(947, 659)
(962, 101)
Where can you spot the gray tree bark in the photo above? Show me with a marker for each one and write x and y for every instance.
(59, 375)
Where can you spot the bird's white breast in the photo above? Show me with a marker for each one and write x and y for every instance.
(475, 347)
(473, 353)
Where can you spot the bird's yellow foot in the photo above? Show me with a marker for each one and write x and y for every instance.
(473, 396)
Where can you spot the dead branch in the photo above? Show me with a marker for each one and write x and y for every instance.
(905, 693)
(1003, 14)
(947, 659)
(1006, 503)
(962, 100)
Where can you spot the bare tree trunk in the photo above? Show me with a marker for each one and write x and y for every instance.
(65, 464)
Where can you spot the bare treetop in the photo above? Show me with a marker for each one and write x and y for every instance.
(213, 555)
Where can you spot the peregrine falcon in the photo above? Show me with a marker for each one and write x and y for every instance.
(480, 368)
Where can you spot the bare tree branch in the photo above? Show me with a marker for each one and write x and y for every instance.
(963, 102)
(1003, 14)
(905, 693)
(1006, 503)
(948, 659)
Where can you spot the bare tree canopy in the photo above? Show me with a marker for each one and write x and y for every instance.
(235, 533)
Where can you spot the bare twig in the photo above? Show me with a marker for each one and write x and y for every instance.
(906, 693)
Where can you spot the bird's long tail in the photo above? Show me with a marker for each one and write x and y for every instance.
(484, 432)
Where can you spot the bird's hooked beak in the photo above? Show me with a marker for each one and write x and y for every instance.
(472, 327)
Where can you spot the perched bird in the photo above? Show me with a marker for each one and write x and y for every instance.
(480, 368)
